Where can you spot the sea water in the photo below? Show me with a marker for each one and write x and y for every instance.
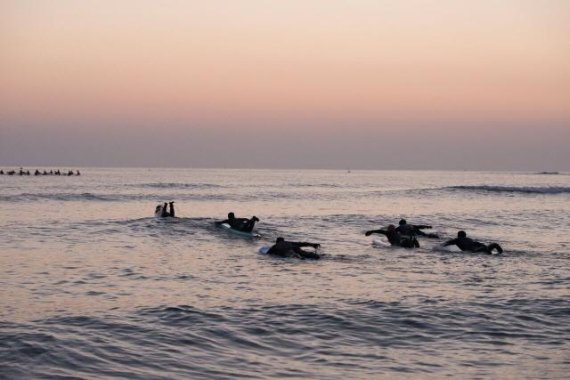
(93, 287)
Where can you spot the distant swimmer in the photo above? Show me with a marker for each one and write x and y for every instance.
(77, 173)
(396, 238)
(239, 224)
(161, 211)
(466, 244)
(414, 229)
(284, 248)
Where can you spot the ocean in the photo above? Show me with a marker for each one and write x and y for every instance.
(94, 287)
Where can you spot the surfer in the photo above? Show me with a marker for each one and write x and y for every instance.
(284, 248)
(239, 224)
(414, 229)
(395, 237)
(162, 212)
(467, 244)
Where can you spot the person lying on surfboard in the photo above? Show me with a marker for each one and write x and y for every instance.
(239, 224)
(162, 212)
(467, 244)
(395, 237)
(284, 248)
(414, 229)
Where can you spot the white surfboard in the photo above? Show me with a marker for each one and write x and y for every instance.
(241, 233)
(263, 250)
(381, 243)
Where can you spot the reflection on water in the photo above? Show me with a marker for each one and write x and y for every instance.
(92, 286)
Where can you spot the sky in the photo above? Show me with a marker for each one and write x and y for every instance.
(323, 84)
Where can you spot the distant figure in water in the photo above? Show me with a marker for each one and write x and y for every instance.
(466, 244)
(239, 224)
(77, 173)
(396, 238)
(284, 248)
(162, 212)
(70, 172)
(414, 229)
(1, 172)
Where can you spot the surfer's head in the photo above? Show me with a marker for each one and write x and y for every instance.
(461, 234)
(402, 222)
(279, 240)
(231, 215)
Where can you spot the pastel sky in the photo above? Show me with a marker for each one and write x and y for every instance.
(370, 84)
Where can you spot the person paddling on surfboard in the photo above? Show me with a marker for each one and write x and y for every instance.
(239, 224)
(395, 237)
(284, 248)
(467, 244)
(161, 211)
(414, 229)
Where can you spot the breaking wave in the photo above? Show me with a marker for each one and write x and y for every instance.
(514, 189)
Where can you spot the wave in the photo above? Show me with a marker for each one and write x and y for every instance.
(351, 340)
(514, 189)
(57, 197)
(71, 197)
(175, 185)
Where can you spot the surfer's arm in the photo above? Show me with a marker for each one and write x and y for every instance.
(368, 233)
(450, 242)
(222, 222)
(305, 244)
(422, 226)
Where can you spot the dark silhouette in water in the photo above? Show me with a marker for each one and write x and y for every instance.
(163, 212)
(284, 248)
(396, 238)
(467, 244)
(414, 229)
(239, 224)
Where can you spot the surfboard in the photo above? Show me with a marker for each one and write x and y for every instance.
(241, 233)
(263, 250)
(381, 243)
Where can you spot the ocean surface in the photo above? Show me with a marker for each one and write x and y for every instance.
(93, 287)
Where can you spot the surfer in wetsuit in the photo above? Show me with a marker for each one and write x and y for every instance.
(467, 244)
(396, 238)
(239, 224)
(284, 248)
(162, 211)
(414, 229)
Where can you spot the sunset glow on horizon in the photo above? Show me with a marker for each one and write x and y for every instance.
(308, 68)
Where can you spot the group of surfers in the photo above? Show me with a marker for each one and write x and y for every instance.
(405, 236)
(37, 172)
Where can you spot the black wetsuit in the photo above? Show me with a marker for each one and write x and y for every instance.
(470, 245)
(164, 213)
(414, 230)
(396, 239)
(293, 249)
(240, 224)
